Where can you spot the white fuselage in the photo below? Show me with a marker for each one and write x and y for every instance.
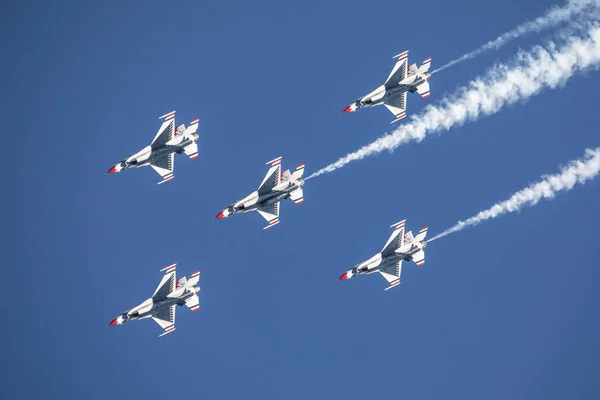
(256, 199)
(383, 92)
(378, 262)
(149, 307)
(148, 154)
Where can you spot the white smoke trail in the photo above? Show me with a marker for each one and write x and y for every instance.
(552, 18)
(504, 85)
(577, 171)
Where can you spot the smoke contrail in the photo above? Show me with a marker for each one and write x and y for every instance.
(577, 171)
(553, 17)
(503, 85)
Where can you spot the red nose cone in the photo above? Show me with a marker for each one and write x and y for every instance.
(347, 109)
(113, 322)
(344, 277)
(220, 215)
(112, 170)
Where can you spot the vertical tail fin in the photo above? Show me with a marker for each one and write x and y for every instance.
(412, 69)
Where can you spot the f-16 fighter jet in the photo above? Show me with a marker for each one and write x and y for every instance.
(400, 246)
(160, 154)
(169, 294)
(275, 187)
(392, 93)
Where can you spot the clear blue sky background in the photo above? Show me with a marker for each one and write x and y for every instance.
(505, 310)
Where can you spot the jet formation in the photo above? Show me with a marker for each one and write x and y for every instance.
(388, 262)
(160, 153)
(266, 199)
(169, 294)
(392, 94)
(275, 186)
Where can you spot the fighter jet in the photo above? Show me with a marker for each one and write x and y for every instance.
(392, 93)
(275, 187)
(160, 154)
(169, 294)
(400, 246)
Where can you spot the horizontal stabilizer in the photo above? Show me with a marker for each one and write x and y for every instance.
(298, 172)
(194, 279)
(191, 150)
(421, 235)
(193, 303)
(297, 196)
(419, 258)
(423, 89)
(425, 66)
(193, 127)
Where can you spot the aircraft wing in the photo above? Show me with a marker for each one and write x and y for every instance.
(399, 71)
(166, 319)
(164, 166)
(392, 274)
(397, 106)
(165, 132)
(272, 178)
(167, 284)
(395, 241)
(270, 213)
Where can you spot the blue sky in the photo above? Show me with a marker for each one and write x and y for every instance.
(504, 310)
